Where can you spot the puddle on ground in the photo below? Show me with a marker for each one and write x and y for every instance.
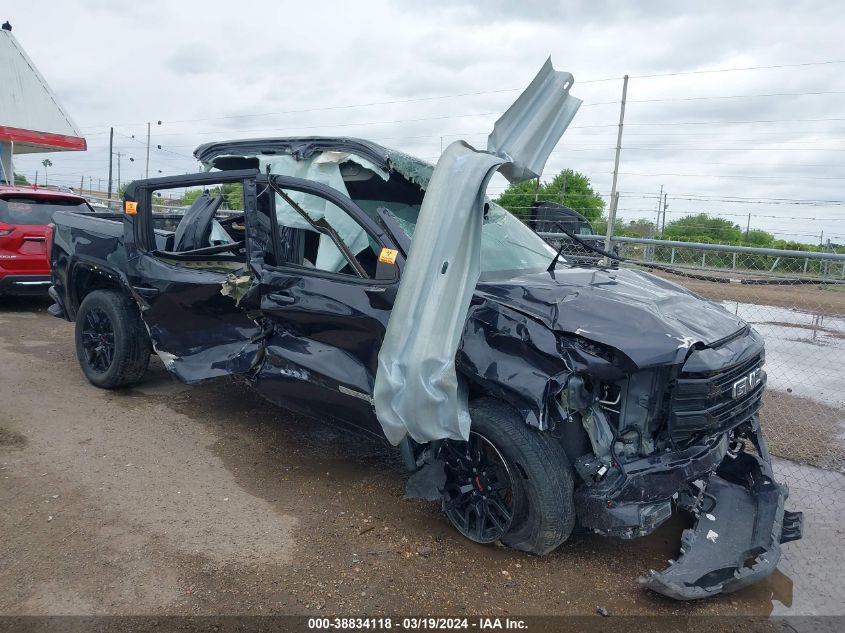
(804, 350)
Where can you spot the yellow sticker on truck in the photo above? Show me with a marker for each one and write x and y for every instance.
(388, 256)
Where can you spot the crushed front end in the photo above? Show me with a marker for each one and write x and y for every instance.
(685, 437)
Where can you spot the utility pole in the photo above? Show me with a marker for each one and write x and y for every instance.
(111, 147)
(81, 185)
(665, 206)
(747, 228)
(614, 195)
(90, 185)
(148, 151)
(159, 123)
(118, 176)
(659, 204)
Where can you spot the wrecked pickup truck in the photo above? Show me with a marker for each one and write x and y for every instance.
(606, 399)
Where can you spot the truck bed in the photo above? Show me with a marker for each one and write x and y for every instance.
(110, 225)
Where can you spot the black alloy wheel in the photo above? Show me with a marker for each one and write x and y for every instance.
(479, 497)
(98, 340)
(112, 344)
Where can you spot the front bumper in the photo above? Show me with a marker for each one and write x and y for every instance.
(24, 284)
(736, 540)
(740, 520)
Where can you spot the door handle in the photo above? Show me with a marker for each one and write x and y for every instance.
(281, 298)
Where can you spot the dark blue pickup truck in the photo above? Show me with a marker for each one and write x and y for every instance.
(602, 399)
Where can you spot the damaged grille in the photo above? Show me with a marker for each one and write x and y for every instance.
(707, 404)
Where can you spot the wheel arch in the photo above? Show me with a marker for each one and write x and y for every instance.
(86, 277)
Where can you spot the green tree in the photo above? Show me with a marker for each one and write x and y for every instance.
(758, 237)
(634, 228)
(20, 179)
(703, 228)
(569, 188)
(233, 195)
(190, 197)
(47, 163)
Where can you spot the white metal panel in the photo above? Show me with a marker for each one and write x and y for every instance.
(26, 100)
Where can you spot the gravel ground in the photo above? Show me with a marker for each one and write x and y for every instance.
(166, 499)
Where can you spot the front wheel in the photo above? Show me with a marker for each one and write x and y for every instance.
(509, 482)
(112, 345)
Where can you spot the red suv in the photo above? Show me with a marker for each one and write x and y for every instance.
(25, 235)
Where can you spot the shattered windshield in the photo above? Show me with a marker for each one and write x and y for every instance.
(506, 243)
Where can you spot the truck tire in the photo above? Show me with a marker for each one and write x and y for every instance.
(112, 344)
(527, 498)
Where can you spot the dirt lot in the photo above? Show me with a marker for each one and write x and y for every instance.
(826, 300)
(168, 499)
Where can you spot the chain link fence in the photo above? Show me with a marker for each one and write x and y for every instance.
(796, 301)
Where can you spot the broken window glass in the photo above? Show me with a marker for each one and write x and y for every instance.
(310, 248)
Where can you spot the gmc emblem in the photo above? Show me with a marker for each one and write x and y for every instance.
(747, 384)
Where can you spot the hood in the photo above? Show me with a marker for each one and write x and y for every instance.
(650, 320)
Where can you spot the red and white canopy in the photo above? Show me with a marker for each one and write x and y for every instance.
(30, 115)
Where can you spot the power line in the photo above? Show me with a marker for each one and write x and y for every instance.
(485, 92)
(482, 114)
(731, 70)
(703, 198)
(751, 96)
(739, 176)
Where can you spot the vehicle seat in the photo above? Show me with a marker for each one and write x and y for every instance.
(194, 229)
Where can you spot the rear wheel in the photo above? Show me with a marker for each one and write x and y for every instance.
(112, 345)
(509, 482)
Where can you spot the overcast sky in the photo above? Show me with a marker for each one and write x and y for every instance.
(399, 73)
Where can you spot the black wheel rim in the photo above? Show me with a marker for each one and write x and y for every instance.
(478, 497)
(98, 340)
